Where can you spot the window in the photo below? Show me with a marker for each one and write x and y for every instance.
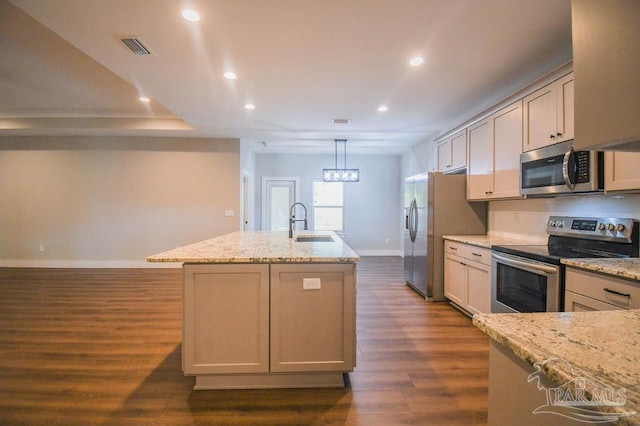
(328, 206)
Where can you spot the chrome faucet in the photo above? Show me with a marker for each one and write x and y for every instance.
(293, 220)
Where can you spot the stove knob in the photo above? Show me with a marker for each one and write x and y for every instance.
(552, 223)
(611, 227)
(620, 227)
(559, 223)
(602, 226)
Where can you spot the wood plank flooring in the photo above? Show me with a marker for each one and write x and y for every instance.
(102, 346)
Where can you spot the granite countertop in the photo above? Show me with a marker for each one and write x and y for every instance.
(623, 268)
(602, 347)
(488, 241)
(261, 247)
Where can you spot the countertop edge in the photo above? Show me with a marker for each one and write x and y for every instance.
(627, 268)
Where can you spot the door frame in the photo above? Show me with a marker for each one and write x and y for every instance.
(263, 207)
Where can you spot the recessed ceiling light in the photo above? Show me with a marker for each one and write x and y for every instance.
(144, 99)
(249, 106)
(190, 15)
(230, 75)
(383, 108)
(416, 61)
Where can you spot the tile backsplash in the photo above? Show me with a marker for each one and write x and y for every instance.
(528, 218)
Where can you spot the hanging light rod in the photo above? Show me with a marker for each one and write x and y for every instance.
(343, 174)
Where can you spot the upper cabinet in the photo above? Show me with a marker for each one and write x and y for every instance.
(621, 171)
(452, 153)
(548, 114)
(494, 148)
(606, 64)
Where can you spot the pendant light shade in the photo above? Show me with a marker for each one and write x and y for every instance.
(344, 174)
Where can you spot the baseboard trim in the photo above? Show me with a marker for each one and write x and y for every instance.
(378, 252)
(127, 264)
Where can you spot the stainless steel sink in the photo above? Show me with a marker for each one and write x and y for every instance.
(313, 239)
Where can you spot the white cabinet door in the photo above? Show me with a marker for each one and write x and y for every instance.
(480, 167)
(621, 171)
(540, 118)
(459, 150)
(574, 302)
(444, 155)
(452, 153)
(564, 108)
(548, 114)
(507, 137)
(478, 288)
(455, 280)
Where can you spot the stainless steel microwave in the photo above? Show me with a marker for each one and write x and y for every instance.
(558, 169)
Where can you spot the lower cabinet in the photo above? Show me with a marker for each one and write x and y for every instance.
(312, 329)
(226, 319)
(590, 291)
(467, 277)
(265, 319)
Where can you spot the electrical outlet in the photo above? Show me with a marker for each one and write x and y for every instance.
(311, 284)
(228, 213)
(41, 247)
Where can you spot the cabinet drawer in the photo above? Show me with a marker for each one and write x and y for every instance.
(608, 289)
(454, 247)
(478, 254)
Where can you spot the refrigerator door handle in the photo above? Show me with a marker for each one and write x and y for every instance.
(410, 218)
(414, 220)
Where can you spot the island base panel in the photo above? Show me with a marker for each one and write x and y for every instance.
(270, 381)
(512, 399)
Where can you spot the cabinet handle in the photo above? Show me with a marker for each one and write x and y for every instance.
(617, 292)
(558, 134)
(453, 248)
(552, 136)
(476, 254)
(488, 192)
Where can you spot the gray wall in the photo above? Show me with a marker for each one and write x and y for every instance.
(373, 206)
(109, 201)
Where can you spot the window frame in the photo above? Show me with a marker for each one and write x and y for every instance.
(327, 206)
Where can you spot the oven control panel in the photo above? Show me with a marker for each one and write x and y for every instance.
(600, 228)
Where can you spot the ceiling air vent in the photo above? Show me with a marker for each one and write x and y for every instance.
(135, 45)
(340, 121)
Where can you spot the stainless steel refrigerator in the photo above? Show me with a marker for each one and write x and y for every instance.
(435, 205)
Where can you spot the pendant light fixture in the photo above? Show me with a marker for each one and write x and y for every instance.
(344, 174)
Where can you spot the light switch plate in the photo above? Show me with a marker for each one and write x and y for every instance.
(311, 284)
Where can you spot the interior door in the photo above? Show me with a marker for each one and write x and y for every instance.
(278, 196)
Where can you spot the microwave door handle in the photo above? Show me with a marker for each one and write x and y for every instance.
(569, 163)
(531, 267)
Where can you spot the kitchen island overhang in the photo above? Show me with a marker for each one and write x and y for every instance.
(262, 310)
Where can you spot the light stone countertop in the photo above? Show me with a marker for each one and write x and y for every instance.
(602, 346)
(261, 247)
(488, 241)
(623, 268)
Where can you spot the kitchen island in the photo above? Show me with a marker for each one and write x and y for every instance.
(262, 310)
(563, 368)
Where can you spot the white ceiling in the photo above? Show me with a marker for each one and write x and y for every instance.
(64, 71)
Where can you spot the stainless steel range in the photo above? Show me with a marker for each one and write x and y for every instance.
(530, 278)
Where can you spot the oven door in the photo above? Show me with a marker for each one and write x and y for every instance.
(523, 285)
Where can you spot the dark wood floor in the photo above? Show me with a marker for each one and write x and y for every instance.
(103, 347)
